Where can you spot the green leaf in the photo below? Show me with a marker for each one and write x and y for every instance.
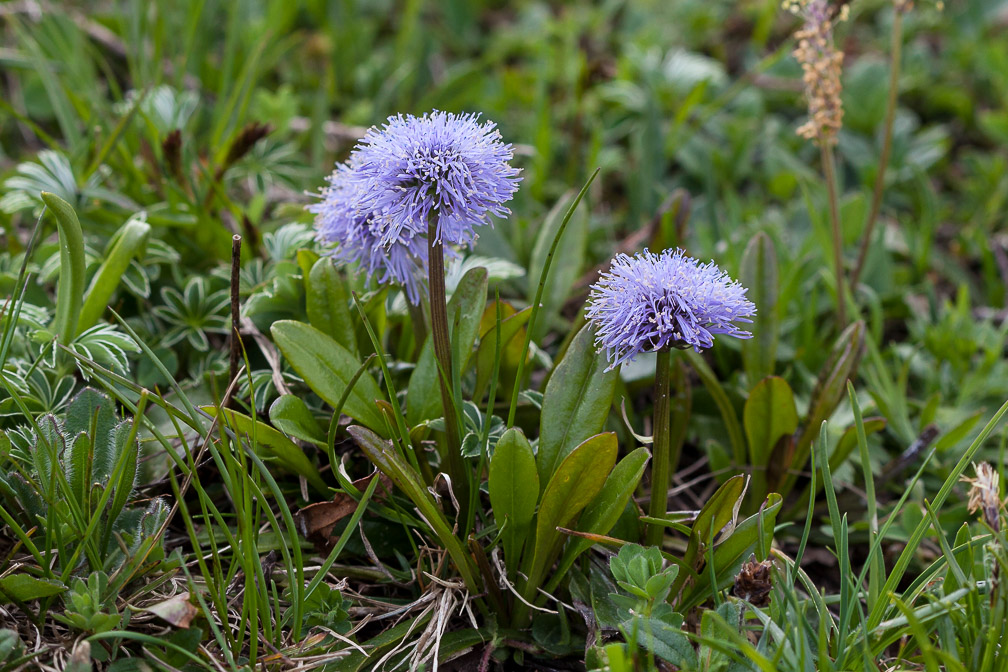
(379, 645)
(752, 535)
(878, 611)
(327, 367)
(510, 329)
(601, 515)
(664, 641)
(290, 414)
(724, 404)
(388, 460)
(45, 456)
(846, 444)
(826, 395)
(952, 436)
(720, 510)
(70, 294)
(78, 467)
(848, 440)
(275, 444)
(25, 587)
(305, 259)
(423, 397)
(455, 643)
(514, 491)
(127, 243)
(964, 558)
(576, 482)
(127, 454)
(714, 629)
(758, 272)
(328, 304)
(94, 413)
(769, 416)
(576, 402)
(10, 645)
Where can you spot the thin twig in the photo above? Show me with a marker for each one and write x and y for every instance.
(896, 466)
(372, 556)
(248, 327)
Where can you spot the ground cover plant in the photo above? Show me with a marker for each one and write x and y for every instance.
(475, 335)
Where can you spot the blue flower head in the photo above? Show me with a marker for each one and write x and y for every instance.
(357, 237)
(647, 302)
(445, 165)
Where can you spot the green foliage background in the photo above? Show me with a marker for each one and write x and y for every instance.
(169, 127)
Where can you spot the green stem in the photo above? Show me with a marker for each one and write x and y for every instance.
(829, 173)
(895, 50)
(661, 467)
(443, 354)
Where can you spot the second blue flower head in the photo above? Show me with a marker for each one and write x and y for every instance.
(653, 301)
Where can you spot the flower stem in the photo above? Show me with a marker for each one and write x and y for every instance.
(661, 466)
(829, 173)
(895, 51)
(442, 353)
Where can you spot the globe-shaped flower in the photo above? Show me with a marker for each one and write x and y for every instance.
(652, 301)
(442, 165)
(357, 236)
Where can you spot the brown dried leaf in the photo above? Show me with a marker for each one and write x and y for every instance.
(177, 610)
(316, 521)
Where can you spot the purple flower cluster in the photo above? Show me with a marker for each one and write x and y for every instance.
(443, 164)
(651, 301)
(378, 204)
(357, 237)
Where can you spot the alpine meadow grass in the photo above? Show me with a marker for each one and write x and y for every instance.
(617, 336)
